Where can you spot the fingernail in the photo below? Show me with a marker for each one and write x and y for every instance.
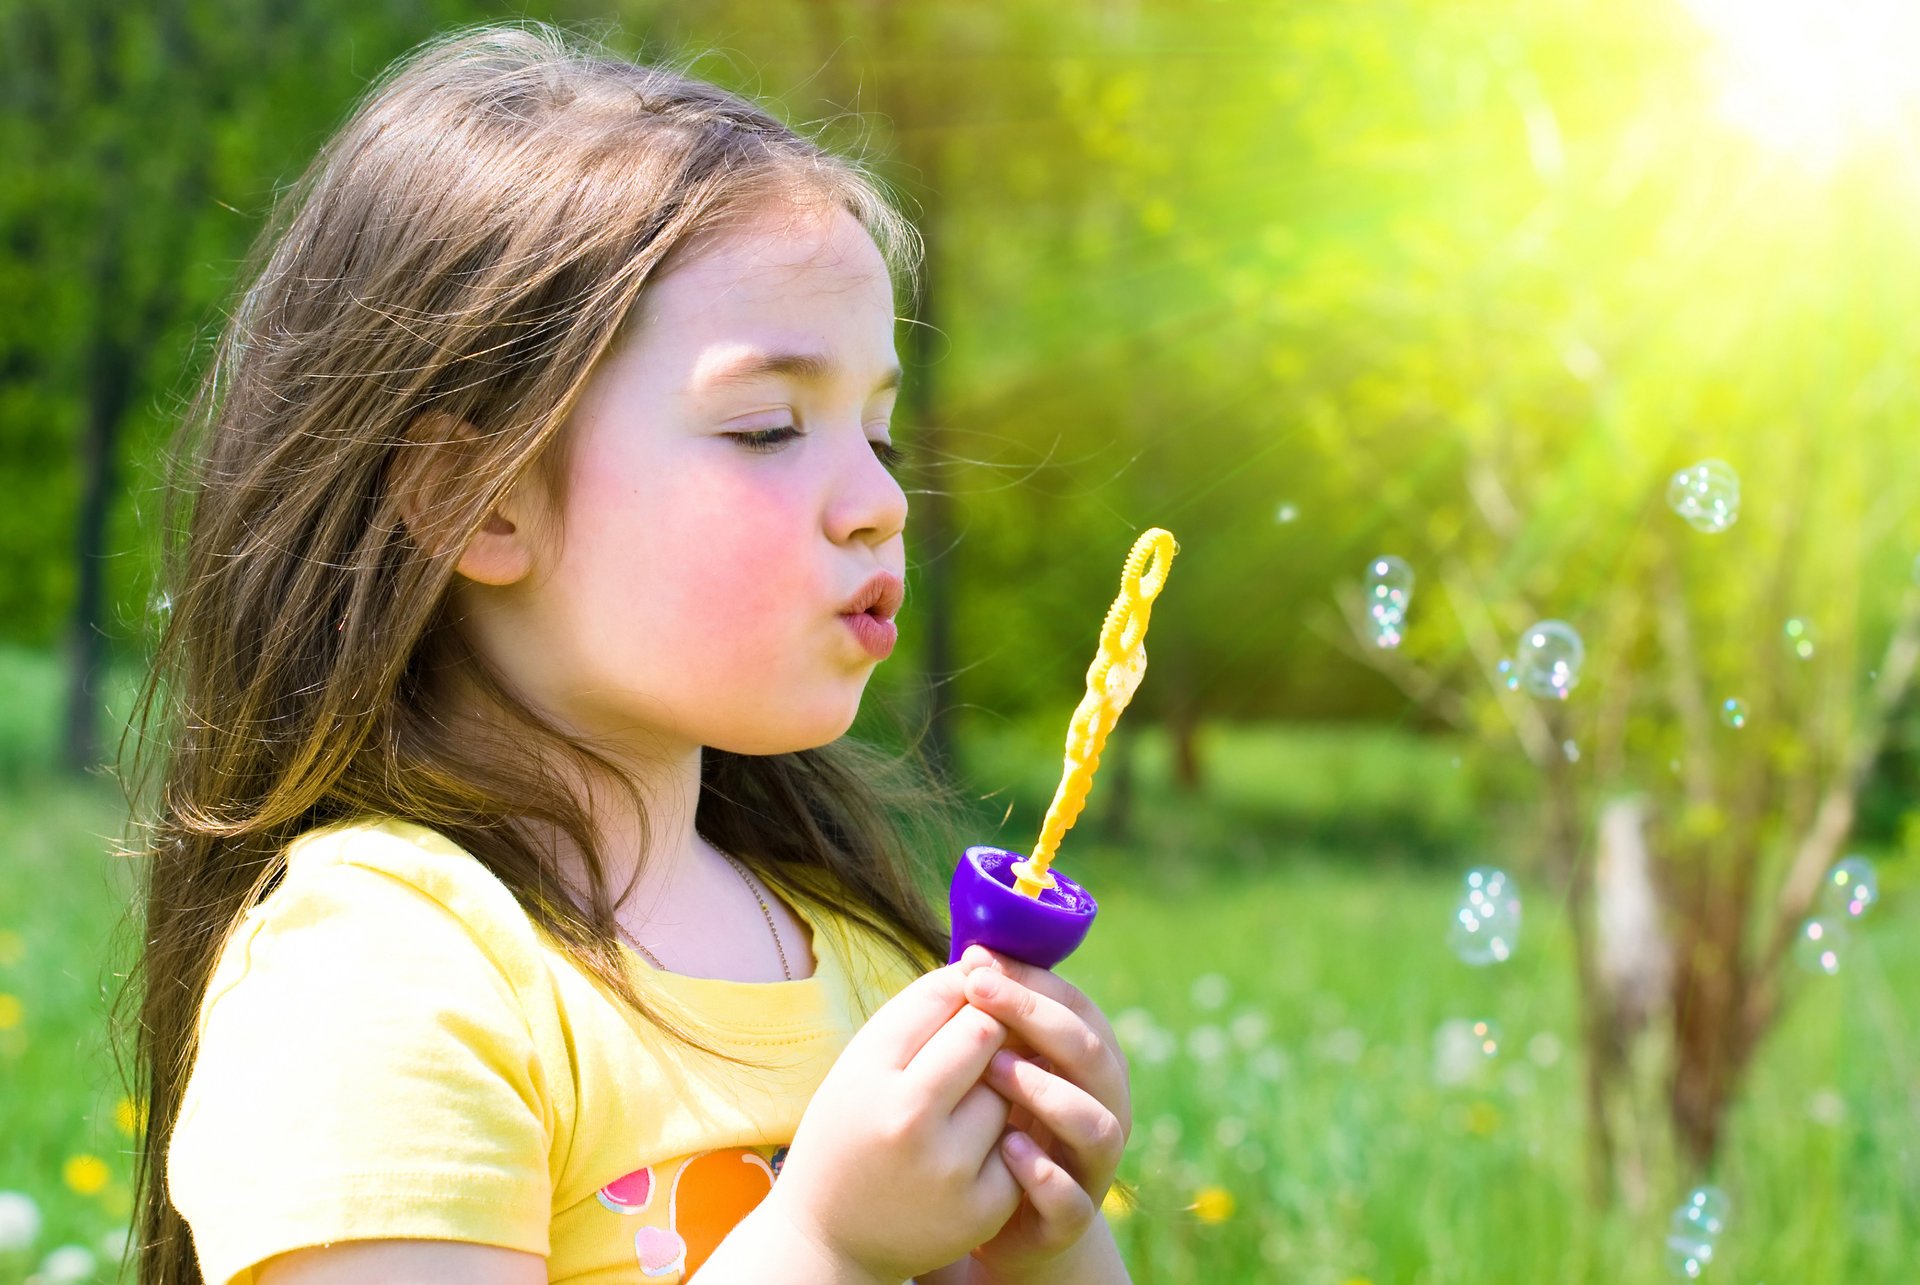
(975, 957)
(1019, 1145)
(1003, 1062)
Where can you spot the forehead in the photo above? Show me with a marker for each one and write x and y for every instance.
(792, 278)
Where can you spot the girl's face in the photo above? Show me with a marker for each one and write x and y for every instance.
(719, 518)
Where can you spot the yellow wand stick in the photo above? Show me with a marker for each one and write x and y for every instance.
(1112, 679)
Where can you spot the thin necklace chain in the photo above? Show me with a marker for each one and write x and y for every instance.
(752, 887)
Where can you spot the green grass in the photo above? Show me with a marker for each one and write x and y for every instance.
(59, 950)
(1299, 1075)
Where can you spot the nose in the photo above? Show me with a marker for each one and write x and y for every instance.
(868, 503)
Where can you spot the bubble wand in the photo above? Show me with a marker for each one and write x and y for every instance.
(1019, 906)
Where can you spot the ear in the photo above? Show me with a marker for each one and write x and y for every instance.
(422, 477)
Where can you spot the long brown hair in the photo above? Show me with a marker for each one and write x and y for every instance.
(463, 250)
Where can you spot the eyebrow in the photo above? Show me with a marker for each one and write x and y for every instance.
(812, 368)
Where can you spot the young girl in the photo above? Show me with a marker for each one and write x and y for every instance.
(514, 900)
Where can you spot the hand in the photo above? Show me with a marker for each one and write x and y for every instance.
(895, 1168)
(1069, 1098)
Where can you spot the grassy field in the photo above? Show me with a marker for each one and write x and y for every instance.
(1273, 953)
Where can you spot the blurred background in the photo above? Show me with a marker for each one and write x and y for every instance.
(1507, 865)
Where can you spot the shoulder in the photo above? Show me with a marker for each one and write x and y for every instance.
(380, 1029)
(382, 898)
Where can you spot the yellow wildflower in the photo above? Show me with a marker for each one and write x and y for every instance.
(87, 1174)
(1212, 1204)
(11, 1011)
(131, 1116)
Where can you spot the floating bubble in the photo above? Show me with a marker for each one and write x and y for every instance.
(1688, 1254)
(1821, 944)
(1287, 513)
(1694, 1231)
(1389, 591)
(1733, 712)
(1851, 888)
(1706, 1210)
(1571, 751)
(1549, 659)
(1800, 637)
(1509, 675)
(1707, 495)
(1486, 923)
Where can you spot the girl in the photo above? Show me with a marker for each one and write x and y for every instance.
(514, 900)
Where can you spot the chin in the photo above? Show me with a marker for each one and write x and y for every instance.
(789, 732)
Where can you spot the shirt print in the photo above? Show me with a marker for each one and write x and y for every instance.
(682, 1209)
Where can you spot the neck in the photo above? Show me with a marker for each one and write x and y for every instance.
(650, 849)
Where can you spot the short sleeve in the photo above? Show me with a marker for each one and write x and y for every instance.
(365, 1070)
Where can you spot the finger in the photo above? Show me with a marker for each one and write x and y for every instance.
(1085, 1129)
(979, 1120)
(1046, 982)
(1064, 1211)
(901, 1027)
(1054, 1032)
(954, 1058)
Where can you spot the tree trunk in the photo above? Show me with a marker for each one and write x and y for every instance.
(109, 376)
(109, 382)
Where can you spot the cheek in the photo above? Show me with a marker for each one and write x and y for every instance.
(715, 571)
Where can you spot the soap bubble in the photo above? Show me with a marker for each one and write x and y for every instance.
(1509, 675)
(1706, 1209)
(1800, 637)
(1707, 495)
(1286, 513)
(1733, 712)
(1694, 1231)
(1820, 945)
(1851, 888)
(1549, 659)
(1389, 591)
(1688, 1255)
(1486, 923)
(1571, 751)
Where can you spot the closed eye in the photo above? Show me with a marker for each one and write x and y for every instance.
(766, 440)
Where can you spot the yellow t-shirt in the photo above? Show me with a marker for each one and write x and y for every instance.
(390, 1047)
